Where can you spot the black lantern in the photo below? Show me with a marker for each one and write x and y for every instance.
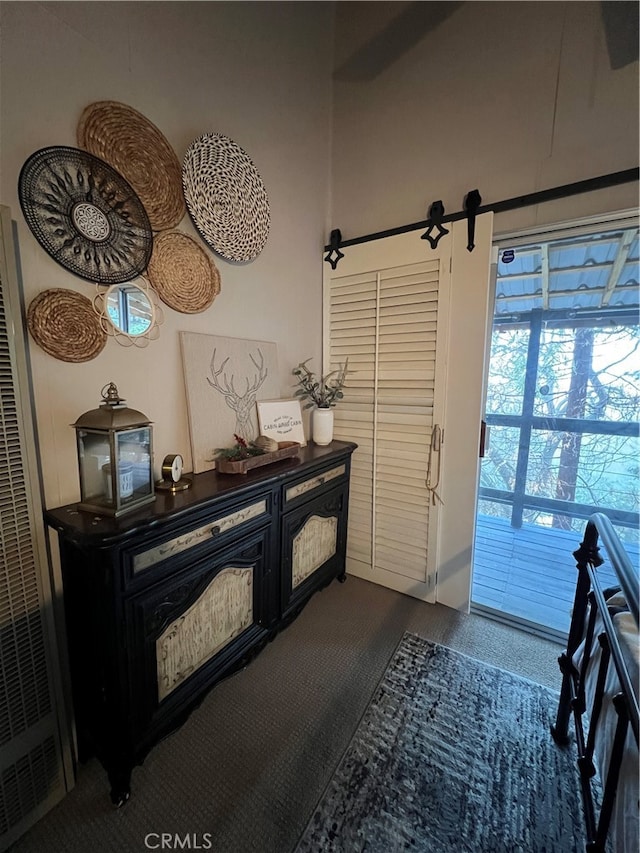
(115, 456)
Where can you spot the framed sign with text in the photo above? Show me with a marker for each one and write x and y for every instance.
(281, 420)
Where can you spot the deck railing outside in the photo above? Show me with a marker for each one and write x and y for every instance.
(529, 573)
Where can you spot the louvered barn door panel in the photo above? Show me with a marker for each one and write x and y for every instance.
(352, 323)
(386, 322)
(31, 769)
(412, 329)
(407, 326)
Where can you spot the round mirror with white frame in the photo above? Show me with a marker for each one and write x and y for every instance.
(129, 312)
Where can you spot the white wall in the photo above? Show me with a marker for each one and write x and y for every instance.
(257, 72)
(505, 97)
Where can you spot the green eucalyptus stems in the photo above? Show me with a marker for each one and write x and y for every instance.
(323, 392)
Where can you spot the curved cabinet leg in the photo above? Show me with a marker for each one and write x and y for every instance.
(120, 781)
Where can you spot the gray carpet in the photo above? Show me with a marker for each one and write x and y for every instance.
(451, 756)
(250, 764)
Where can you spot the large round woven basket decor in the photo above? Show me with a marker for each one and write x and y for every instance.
(140, 152)
(226, 197)
(182, 274)
(65, 325)
(85, 215)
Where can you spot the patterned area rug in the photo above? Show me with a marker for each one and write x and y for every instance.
(455, 755)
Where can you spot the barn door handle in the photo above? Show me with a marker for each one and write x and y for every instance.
(485, 434)
(435, 448)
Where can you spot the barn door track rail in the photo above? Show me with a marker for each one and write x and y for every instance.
(473, 208)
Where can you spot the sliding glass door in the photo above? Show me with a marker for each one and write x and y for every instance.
(562, 411)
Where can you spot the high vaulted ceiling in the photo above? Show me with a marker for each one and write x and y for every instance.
(371, 36)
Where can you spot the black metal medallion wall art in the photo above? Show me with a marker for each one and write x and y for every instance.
(85, 215)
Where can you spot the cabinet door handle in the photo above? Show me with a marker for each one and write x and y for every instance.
(215, 530)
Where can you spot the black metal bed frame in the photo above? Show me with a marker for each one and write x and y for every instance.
(589, 603)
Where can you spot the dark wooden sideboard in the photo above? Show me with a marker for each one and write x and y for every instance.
(163, 603)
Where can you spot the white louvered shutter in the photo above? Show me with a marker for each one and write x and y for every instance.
(413, 322)
(31, 768)
(386, 322)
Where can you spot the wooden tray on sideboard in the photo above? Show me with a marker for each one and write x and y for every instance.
(241, 466)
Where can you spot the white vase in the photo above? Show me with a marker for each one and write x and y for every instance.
(322, 426)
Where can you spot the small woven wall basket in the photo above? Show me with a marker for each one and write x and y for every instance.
(140, 152)
(182, 273)
(65, 325)
(226, 197)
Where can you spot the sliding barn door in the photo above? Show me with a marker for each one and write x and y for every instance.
(389, 309)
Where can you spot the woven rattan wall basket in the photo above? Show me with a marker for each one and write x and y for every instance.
(139, 151)
(226, 197)
(65, 325)
(182, 273)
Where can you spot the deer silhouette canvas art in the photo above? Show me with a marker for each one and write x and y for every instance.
(240, 401)
(224, 377)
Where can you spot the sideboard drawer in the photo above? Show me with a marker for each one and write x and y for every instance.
(188, 543)
(313, 485)
(209, 530)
